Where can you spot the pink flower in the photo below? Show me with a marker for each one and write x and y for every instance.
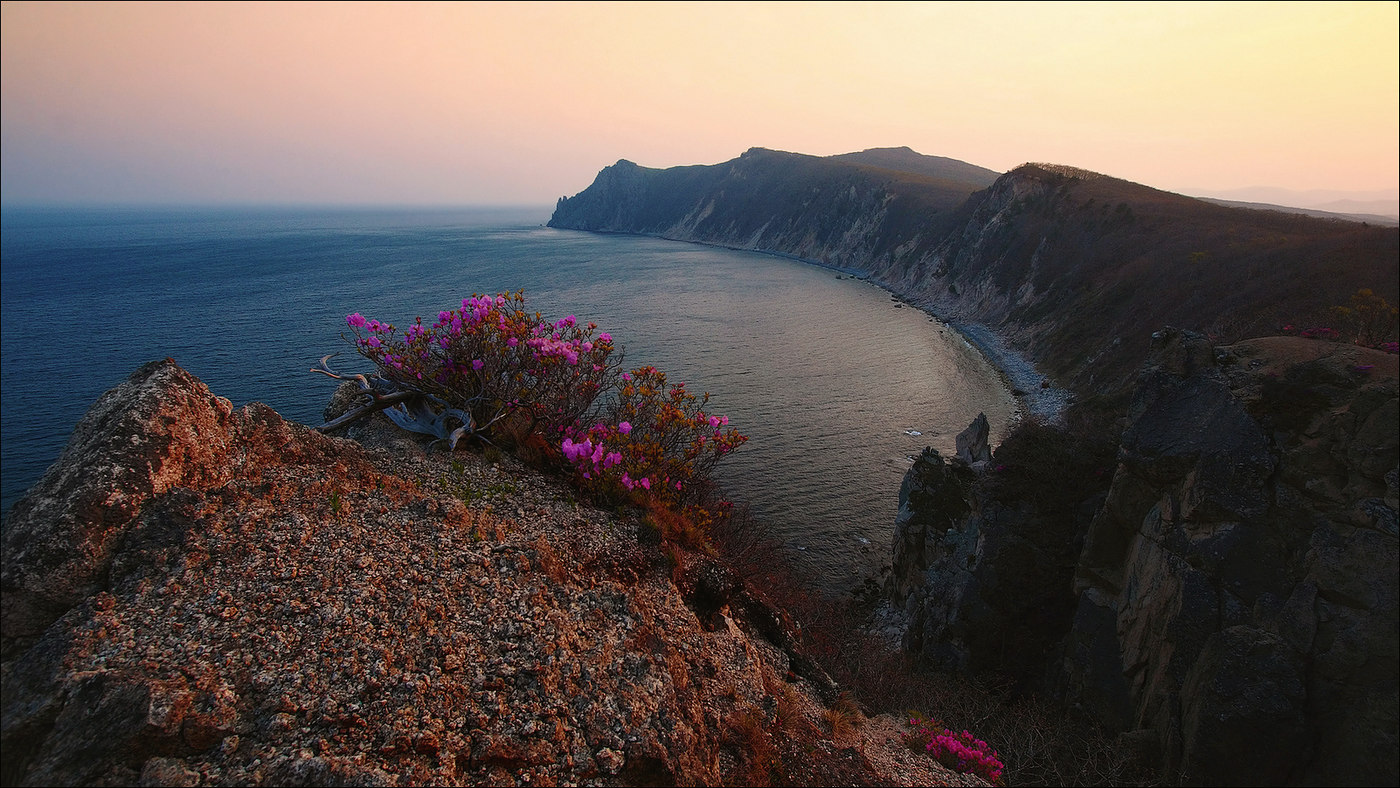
(477, 364)
(357, 320)
(512, 342)
(624, 428)
(605, 337)
(646, 483)
(374, 342)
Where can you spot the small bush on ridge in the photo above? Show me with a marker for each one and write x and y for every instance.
(517, 377)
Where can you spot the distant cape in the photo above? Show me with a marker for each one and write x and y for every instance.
(1074, 268)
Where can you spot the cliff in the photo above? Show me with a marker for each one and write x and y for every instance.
(840, 211)
(1065, 264)
(1228, 597)
(198, 595)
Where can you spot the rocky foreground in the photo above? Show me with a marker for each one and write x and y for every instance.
(197, 595)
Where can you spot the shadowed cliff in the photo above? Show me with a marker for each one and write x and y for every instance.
(1224, 591)
(1071, 267)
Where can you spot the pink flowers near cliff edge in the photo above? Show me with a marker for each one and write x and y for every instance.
(625, 434)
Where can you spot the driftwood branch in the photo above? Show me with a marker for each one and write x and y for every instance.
(406, 407)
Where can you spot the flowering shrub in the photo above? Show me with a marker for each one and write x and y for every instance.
(513, 372)
(655, 440)
(514, 375)
(1333, 335)
(1370, 321)
(960, 752)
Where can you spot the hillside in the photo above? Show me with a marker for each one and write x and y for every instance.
(1072, 267)
(197, 595)
(839, 211)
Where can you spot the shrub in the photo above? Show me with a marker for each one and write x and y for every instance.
(655, 440)
(960, 752)
(511, 372)
(510, 375)
(1370, 320)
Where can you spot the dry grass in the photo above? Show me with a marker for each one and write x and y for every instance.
(843, 717)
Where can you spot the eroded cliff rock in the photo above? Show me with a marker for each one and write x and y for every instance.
(1247, 557)
(197, 595)
(1234, 603)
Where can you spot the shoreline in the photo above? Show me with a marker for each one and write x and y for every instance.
(1047, 404)
(1018, 373)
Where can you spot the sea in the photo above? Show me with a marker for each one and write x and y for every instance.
(837, 384)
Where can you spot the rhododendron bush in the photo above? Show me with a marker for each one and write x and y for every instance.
(506, 374)
(961, 752)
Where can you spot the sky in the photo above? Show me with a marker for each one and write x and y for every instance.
(504, 103)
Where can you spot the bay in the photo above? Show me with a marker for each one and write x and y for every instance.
(836, 386)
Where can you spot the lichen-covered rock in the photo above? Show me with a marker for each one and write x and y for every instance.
(129, 447)
(198, 595)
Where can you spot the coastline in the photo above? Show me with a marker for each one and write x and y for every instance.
(1017, 372)
(1025, 382)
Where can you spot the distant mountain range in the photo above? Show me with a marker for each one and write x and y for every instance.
(1364, 206)
(1075, 268)
(1353, 210)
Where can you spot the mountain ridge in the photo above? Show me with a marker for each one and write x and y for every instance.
(1074, 268)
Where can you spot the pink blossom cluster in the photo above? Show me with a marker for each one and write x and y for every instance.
(586, 453)
(512, 370)
(529, 381)
(961, 752)
(1333, 335)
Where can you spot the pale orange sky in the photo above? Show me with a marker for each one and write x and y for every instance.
(524, 103)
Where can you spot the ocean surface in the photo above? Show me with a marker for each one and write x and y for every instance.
(836, 387)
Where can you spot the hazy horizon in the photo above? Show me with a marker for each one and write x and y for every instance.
(471, 105)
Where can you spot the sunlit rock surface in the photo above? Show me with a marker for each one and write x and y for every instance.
(197, 595)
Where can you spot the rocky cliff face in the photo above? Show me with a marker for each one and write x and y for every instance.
(201, 595)
(839, 211)
(1067, 265)
(1235, 599)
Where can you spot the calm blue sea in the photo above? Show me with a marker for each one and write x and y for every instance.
(827, 377)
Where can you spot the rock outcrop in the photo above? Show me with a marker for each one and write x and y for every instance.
(982, 565)
(971, 443)
(198, 595)
(1234, 603)
(1246, 559)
